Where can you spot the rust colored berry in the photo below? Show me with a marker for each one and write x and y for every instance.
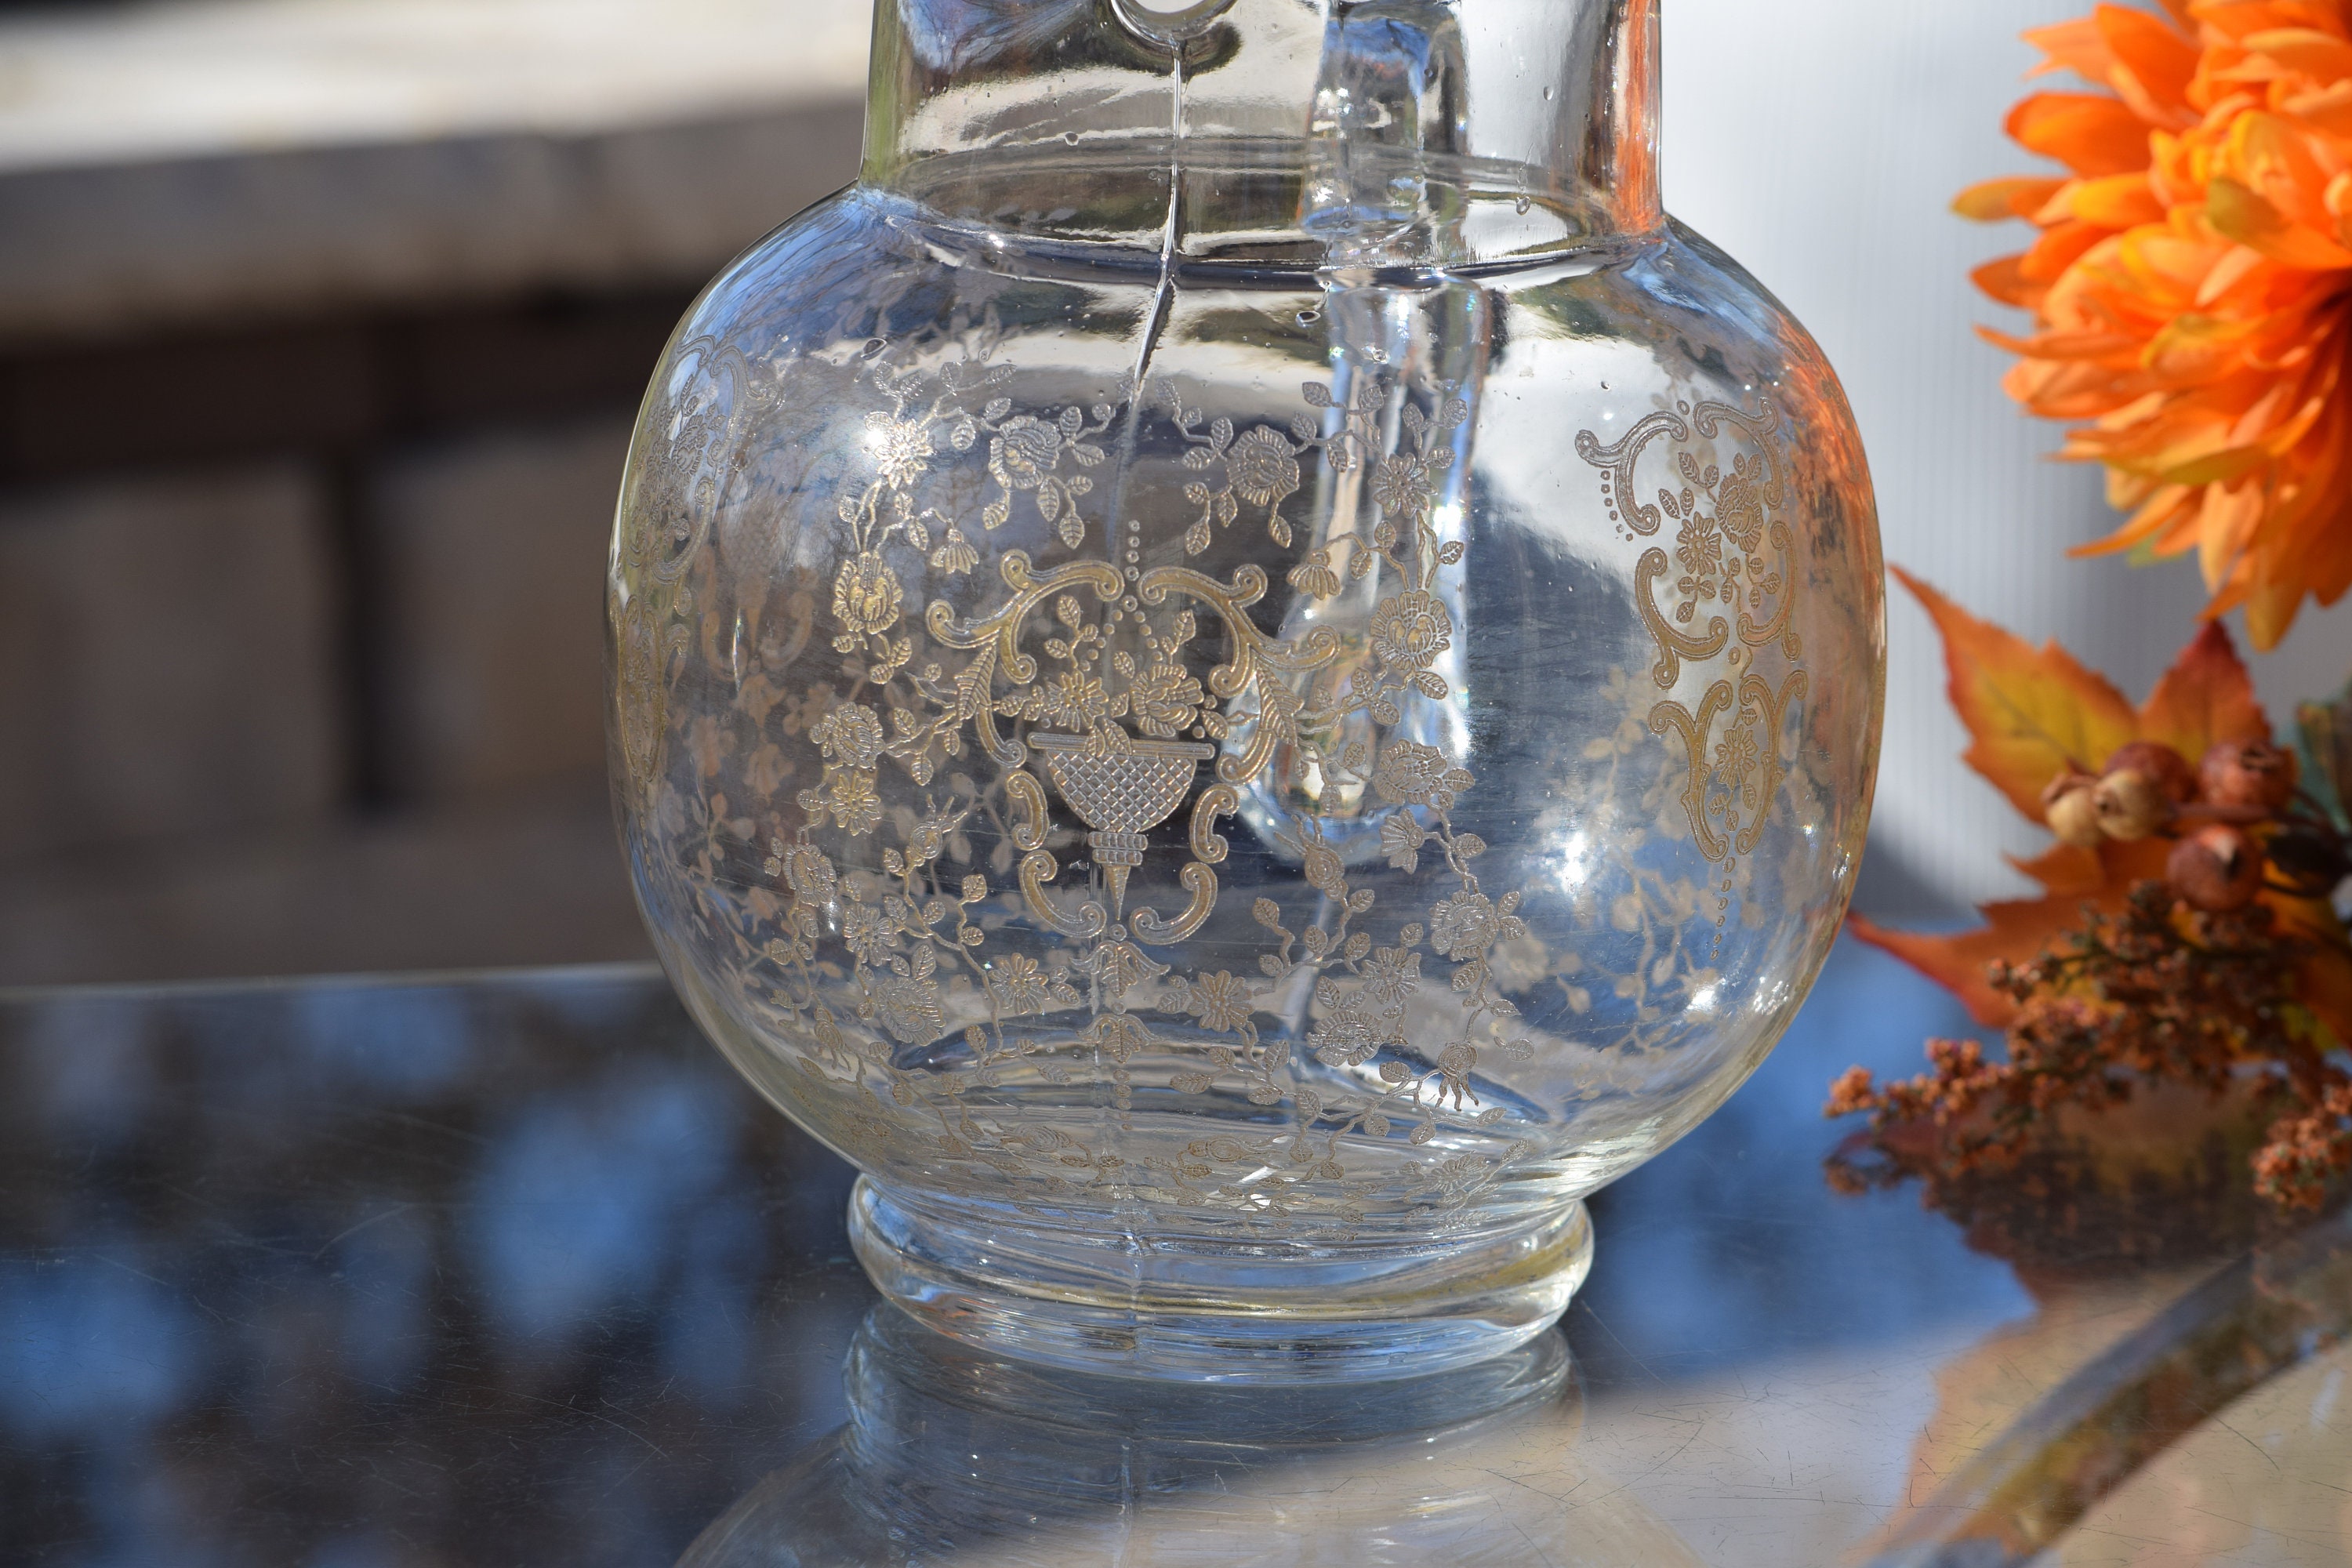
(2249, 772)
(2170, 770)
(2216, 869)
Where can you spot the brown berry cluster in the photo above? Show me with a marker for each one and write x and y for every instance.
(2224, 816)
(2163, 993)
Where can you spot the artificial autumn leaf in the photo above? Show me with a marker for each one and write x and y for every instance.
(2030, 712)
(2206, 697)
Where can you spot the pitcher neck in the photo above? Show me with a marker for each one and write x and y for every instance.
(1348, 132)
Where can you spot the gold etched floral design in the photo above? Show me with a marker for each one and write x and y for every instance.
(1261, 466)
(1126, 706)
(1731, 553)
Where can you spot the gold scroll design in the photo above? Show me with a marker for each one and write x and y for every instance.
(1734, 776)
(1748, 516)
(1119, 786)
(1754, 782)
(697, 428)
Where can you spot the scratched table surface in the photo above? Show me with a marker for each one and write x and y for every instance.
(509, 1270)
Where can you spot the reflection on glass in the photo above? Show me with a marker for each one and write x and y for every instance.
(2025, 1490)
(953, 1456)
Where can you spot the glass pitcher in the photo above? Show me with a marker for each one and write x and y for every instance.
(1241, 673)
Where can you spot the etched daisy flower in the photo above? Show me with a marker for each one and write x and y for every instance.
(1220, 1001)
(1020, 985)
(849, 795)
(902, 447)
(866, 934)
(1392, 975)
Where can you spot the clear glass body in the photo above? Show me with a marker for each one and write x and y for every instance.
(1241, 674)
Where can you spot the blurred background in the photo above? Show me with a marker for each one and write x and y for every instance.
(322, 324)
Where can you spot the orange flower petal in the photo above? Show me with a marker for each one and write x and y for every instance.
(2327, 109)
(2196, 348)
(2230, 515)
(2077, 46)
(2000, 278)
(2014, 195)
(2155, 63)
(2163, 508)
(2057, 249)
(2114, 201)
(2091, 133)
(2226, 274)
(2306, 51)
(2240, 214)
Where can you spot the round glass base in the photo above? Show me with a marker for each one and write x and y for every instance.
(1219, 1313)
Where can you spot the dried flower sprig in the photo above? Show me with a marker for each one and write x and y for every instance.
(2160, 993)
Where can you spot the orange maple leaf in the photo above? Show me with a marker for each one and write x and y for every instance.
(2031, 712)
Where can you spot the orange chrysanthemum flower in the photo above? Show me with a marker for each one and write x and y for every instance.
(2192, 285)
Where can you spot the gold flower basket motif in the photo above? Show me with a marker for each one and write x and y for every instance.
(1122, 789)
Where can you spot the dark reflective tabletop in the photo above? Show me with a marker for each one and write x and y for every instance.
(510, 1269)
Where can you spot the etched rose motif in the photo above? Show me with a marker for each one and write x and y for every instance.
(1164, 699)
(902, 447)
(1347, 1034)
(1263, 468)
(909, 1008)
(1411, 629)
(1411, 773)
(1456, 1063)
(1024, 452)
(1323, 868)
(1463, 925)
(850, 734)
(1740, 501)
(810, 874)
(865, 598)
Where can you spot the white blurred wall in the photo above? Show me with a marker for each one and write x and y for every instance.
(1820, 142)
